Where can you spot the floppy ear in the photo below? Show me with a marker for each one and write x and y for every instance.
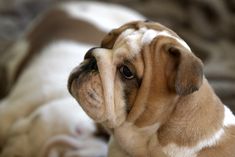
(187, 71)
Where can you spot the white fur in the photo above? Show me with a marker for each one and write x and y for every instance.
(49, 64)
(148, 36)
(176, 151)
(40, 106)
(229, 118)
(103, 15)
(47, 121)
(137, 39)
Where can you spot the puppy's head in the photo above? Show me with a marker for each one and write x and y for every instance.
(136, 75)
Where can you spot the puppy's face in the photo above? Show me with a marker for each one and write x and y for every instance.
(137, 75)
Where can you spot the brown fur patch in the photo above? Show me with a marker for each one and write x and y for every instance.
(225, 148)
(58, 25)
(196, 117)
(109, 40)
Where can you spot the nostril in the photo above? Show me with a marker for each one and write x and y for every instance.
(93, 64)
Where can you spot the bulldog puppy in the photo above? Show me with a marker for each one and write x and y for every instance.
(148, 89)
(39, 117)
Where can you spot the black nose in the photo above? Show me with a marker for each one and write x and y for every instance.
(89, 53)
(89, 66)
(92, 65)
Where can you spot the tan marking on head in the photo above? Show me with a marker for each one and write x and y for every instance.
(139, 65)
(109, 40)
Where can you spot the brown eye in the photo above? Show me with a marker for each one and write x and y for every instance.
(126, 72)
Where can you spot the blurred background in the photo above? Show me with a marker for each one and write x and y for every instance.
(208, 26)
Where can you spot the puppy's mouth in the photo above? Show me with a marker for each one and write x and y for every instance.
(84, 84)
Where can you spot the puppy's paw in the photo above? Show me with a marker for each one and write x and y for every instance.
(70, 146)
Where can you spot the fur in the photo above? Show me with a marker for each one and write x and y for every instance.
(167, 109)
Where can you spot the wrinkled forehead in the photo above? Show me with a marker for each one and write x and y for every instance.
(133, 36)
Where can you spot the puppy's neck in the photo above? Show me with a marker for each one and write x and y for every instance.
(196, 117)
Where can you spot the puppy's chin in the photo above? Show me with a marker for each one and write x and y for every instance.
(87, 90)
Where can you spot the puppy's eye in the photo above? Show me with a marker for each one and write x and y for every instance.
(126, 72)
